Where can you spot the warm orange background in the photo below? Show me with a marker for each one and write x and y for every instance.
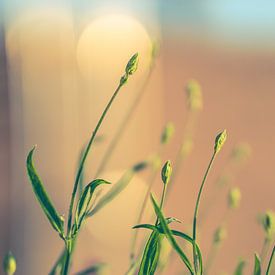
(46, 100)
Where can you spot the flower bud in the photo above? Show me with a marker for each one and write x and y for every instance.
(166, 172)
(220, 140)
(194, 95)
(220, 235)
(9, 264)
(187, 147)
(132, 65)
(267, 221)
(167, 133)
(241, 152)
(234, 198)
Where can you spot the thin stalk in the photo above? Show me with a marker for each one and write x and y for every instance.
(79, 174)
(86, 152)
(197, 209)
(142, 210)
(109, 152)
(270, 262)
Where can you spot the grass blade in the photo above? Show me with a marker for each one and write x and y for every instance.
(257, 265)
(95, 269)
(151, 254)
(46, 204)
(170, 237)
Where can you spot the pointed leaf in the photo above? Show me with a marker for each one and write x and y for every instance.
(257, 265)
(240, 267)
(170, 236)
(47, 206)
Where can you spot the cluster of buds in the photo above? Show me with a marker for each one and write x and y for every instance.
(194, 95)
(130, 68)
(167, 133)
(234, 198)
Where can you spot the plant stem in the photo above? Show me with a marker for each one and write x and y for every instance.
(86, 152)
(123, 125)
(141, 213)
(196, 212)
(270, 261)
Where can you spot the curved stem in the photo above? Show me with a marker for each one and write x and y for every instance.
(196, 211)
(108, 153)
(86, 152)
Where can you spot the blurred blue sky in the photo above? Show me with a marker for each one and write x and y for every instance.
(237, 21)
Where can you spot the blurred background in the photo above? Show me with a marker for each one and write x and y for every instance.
(60, 62)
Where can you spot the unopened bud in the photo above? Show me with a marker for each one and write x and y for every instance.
(194, 95)
(187, 147)
(166, 172)
(234, 198)
(220, 235)
(9, 264)
(167, 133)
(132, 65)
(220, 140)
(268, 223)
(241, 152)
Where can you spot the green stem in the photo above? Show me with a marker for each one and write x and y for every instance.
(270, 261)
(121, 129)
(196, 212)
(84, 157)
(141, 213)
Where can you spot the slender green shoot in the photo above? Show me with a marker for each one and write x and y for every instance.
(268, 271)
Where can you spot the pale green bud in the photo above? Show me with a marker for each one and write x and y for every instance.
(220, 235)
(268, 223)
(187, 147)
(9, 264)
(194, 95)
(166, 172)
(241, 152)
(220, 140)
(234, 198)
(132, 64)
(167, 133)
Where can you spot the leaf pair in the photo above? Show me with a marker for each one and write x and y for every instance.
(162, 228)
(84, 202)
(56, 220)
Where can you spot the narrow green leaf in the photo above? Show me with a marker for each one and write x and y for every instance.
(240, 267)
(170, 237)
(95, 269)
(151, 254)
(175, 233)
(47, 206)
(84, 201)
(117, 188)
(257, 265)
